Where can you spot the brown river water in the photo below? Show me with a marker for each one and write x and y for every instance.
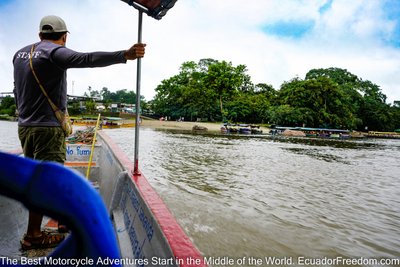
(266, 201)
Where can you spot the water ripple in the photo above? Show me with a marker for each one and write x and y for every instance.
(278, 197)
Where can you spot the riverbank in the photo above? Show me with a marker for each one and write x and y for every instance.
(180, 125)
(186, 125)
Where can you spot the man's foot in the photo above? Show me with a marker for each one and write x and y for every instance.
(45, 240)
(62, 228)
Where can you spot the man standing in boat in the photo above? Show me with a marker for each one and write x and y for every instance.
(40, 132)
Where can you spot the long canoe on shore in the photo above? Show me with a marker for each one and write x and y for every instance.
(143, 230)
(389, 135)
(106, 122)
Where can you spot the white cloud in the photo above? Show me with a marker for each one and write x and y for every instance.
(349, 36)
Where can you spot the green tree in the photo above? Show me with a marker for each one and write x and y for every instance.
(323, 100)
(90, 106)
(167, 101)
(106, 94)
(198, 99)
(227, 81)
(239, 109)
(395, 115)
(330, 97)
(200, 89)
(291, 116)
(364, 99)
(125, 96)
(8, 106)
(107, 103)
(267, 91)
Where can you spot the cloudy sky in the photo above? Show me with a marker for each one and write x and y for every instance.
(276, 39)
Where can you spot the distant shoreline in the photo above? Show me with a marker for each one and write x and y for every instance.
(169, 125)
(186, 125)
(183, 125)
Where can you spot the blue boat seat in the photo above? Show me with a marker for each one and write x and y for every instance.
(63, 194)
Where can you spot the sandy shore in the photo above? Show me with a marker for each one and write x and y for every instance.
(184, 125)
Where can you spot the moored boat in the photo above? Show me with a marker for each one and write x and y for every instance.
(389, 135)
(84, 121)
(111, 123)
(240, 128)
(105, 122)
(315, 132)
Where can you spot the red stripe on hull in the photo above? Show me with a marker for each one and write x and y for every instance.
(181, 245)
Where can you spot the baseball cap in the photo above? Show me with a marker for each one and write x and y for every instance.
(50, 24)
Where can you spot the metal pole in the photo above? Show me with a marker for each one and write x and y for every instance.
(138, 81)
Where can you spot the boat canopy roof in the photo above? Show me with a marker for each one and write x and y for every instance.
(154, 8)
(308, 129)
(113, 118)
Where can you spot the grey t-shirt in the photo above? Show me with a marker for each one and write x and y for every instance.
(50, 62)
